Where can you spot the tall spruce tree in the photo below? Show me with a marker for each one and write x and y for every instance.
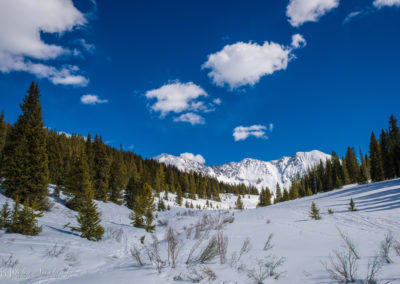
(387, 160)
(25, 161)
(394, 140)
(352, 165)
(101, 170)
(239, 203)
(3, 136)
(278, 197)
(376, 160)
(118, 178)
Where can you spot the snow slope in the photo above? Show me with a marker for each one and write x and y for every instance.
(304, 243)
(250, 171)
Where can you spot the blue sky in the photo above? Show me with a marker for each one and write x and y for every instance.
(181, 76)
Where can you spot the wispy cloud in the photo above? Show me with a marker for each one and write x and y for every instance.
(190, 117)
(258, 131)
(92, 100)
(386, 3)
(189, 156)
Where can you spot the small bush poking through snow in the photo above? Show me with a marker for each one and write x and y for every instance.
(268, 244)
(174, 247)
(266, 268)
(154, 255)
(9, 262)
(135, 252)
(56, 251)
(342, 266)
(385, 248)
(396, 247)
(374, 266)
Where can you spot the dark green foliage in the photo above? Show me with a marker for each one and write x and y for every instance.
(314, 212)
(239, 203)
(352, 165)
(387, 159)
(23, 220)
(25, 163)
(376, 160)
(89, 220)
(118, 178)
(101, 170)
(394, 140)
(144, 207)
(352, 205)
(3, 136)
(5, 216)
(265, 197)
(179, 195)
(278, 197)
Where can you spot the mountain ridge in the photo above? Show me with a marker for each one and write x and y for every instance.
(252, 172)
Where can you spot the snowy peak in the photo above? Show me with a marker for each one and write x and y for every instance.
(252, 172)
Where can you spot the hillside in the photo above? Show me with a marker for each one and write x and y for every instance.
(58, 255)
(252, 172)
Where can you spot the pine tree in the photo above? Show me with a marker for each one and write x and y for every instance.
(293, 192)
(353, 168)
(25, 161)
(101, 170)
(23, 221)
(239, 203)
(179, 194)
(144, 207)
(376, 160)
(118, 178)
(89, 219)
(314, 213)
(3, 135)
(285, 195)
(159, 183)
(394, 138)
(133, 188)
(278, 197)
(387, 160)
(363, 174)
(5, 215)
(77, 184)
(352, 206)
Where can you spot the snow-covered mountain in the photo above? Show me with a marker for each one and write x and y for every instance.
(250, 171)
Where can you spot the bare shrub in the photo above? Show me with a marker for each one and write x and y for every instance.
(342, 266)
(266, 268)
(162, 223)
(385, 248)
(210, 251)
(174, 247)
(349, 244)
(114, 234)
(190, 258)
(56, 251)
(197, 274)
(135, 252)
(374, 266)
(235, 258)
(268, 245)
(222, 245)
(71, 259)
(154, 255)
(9, 262)
(396, 247)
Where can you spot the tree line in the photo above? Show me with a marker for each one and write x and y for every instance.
(33, 156)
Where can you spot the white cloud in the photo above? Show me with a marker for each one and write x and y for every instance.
(89, 47)
(190, 117)
(243, 132)
(217, 101)
(92, 100)
(386, 3)
(301, 11)
(271, 126)
(352, 15)
(298, 41)
(189, 156)
(176, 97)
(21, 25)
(243, 63)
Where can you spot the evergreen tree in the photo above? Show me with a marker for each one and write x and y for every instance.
(265, 197)
(352, 206)
(118, 178)
(353, 168)
(394, 139)
(376, 160)
(345, 173)
(89, 219)
(78, 182)
(3, 135)
(101, 170)
(25, 161)
(5, 215)
(314, 212)
(387, 160)
(133, 188)
(285, 195)
(293, 192)
(23, 221)
(144, 207)
(363, 174)
(278, 197)
(239, 203)
(159, 183)
(179, 194)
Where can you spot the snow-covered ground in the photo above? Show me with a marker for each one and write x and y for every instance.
(302, 242)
